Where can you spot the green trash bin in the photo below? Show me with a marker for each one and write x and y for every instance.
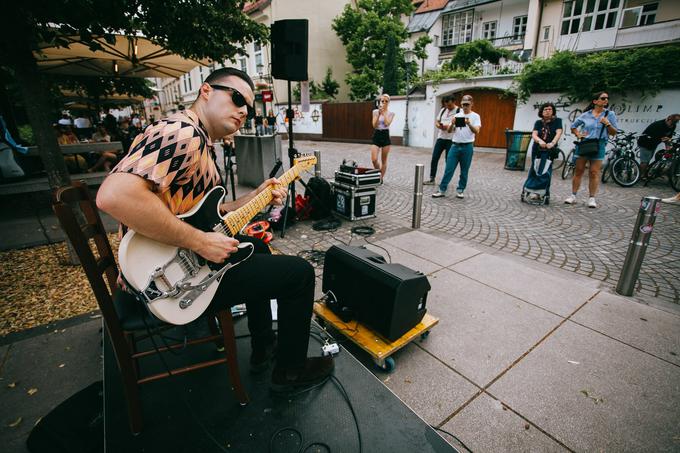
(517, 146)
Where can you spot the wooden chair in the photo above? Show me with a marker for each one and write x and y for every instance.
(124, 319)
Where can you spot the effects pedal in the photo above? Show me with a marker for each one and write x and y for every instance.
(330, 349)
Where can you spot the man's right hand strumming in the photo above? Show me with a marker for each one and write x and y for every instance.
(215, 247)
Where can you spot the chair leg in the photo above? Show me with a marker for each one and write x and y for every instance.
(212, 325)
(130, 387)
(227, 325)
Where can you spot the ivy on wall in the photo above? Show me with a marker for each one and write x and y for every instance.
(578, 76)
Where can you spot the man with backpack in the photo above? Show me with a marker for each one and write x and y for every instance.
(444, 136)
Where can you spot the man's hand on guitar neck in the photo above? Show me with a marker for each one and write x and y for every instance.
(278, 195)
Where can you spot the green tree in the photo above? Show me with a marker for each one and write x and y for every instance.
(474, 52)
(214, 29)
(390, 85)
(365, 30)
(329, 85)
(646, 70)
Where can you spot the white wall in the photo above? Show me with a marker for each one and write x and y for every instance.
(634, 113)
(303, 123)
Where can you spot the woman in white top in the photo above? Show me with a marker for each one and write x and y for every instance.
(382, 118)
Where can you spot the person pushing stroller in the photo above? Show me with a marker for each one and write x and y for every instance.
(546, 134)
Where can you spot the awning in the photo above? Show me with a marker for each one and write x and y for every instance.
(128, 56)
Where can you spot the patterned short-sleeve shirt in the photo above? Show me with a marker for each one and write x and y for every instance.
(176, 154)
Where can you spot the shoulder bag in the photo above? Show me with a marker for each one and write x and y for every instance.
(590, 147)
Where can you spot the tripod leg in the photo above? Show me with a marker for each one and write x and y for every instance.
(287, 208)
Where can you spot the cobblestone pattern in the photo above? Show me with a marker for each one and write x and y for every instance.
(591, 242)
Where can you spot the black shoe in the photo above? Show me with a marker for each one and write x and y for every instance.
(261, 358)
(314, 371)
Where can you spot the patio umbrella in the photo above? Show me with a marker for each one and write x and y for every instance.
(124, 56)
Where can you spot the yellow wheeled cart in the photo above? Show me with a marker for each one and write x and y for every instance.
(379, 348)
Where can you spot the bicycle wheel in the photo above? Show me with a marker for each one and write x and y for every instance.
(606, 172)
(625, 171)
(568, 169)
(674, 175)
(558, 161)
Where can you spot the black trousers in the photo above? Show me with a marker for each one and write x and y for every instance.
(288, 279)
(441, 145)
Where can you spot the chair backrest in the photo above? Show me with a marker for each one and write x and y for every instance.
(79, 218)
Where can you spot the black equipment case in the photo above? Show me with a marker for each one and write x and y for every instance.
(353, 203)
(371, 179)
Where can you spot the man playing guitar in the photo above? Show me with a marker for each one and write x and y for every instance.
(167, 171)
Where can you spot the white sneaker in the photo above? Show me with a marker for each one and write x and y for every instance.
(592, 203)
(438, 194)
(429, 182)
(671, 200)
(571, 199)
(460, 195)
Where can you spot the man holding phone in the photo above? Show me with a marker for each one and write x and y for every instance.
(465, 127)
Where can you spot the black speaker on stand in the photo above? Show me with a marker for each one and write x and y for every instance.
(289, 40)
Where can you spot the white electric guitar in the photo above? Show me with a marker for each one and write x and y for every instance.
(177, 284)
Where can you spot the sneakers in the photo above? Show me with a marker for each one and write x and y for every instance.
(438, 194)
(429, 182)
(460, 195)
(314, 371)
(592, 203)
(571, 199)
(671, 200)
(261, 358)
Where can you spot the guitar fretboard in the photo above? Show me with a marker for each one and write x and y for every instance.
(237, 219)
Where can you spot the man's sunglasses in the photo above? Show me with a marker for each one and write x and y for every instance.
(238, 99)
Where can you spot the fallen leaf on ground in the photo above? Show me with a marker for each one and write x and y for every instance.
(12, 385)
(15, 423)
(32, 391)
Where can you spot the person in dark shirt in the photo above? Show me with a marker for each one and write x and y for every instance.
(655, 133)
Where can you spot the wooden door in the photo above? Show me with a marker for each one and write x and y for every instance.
(497, 114)
(348, 122)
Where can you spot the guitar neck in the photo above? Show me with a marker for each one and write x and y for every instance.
(239, 218)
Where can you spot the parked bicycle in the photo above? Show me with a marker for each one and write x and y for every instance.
(666, 162)
(624, 167)
(569, 165)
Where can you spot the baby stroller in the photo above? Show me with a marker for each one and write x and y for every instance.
(536, 189)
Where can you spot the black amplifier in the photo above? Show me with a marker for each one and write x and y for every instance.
(353, 203)
(358, 180)
(389, 298)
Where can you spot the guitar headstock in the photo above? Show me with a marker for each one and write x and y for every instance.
(305, 161)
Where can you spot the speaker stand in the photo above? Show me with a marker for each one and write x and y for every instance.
(292, 154)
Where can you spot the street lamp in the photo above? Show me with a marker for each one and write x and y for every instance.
(408, 53)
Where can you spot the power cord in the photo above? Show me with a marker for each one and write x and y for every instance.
(457, 439)
(345, 396)
(366, 231)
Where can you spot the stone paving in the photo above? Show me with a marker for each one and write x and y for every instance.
(590, 242)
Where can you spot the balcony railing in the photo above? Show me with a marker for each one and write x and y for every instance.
(507, 41)
(509, 67)
(654, 33)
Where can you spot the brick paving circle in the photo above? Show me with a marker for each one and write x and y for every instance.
(591, 242)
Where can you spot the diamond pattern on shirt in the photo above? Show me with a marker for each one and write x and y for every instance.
(174, 153)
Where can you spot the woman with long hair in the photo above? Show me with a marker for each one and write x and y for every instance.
(381, 120)
(591, 129)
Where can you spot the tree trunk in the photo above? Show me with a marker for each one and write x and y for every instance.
(36, 103)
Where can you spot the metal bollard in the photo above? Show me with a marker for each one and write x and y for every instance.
(418, 196)
(317, 166)
(642, 232)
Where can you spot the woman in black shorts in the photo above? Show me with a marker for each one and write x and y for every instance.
(382, 118)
